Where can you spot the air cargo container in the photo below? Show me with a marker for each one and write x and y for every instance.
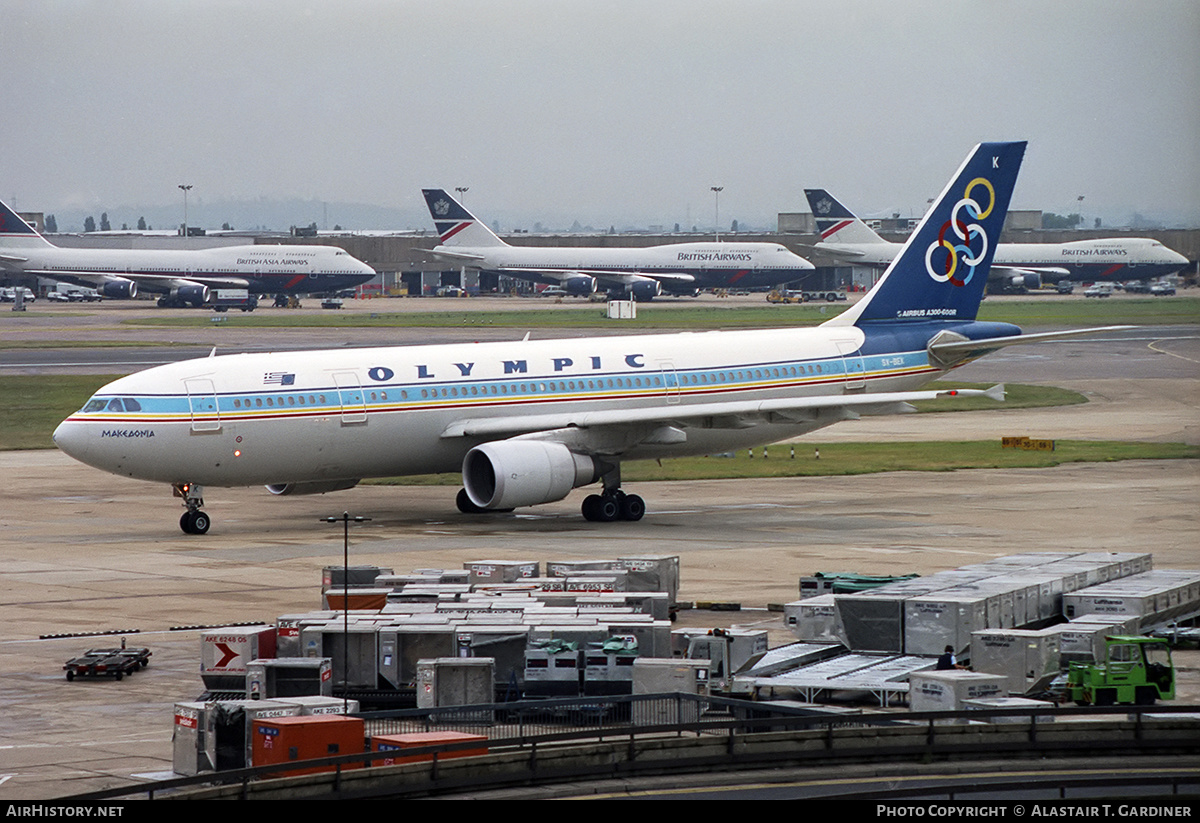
(284, 740)
(1027, 658)
(224, 654)
(289, 677)
(416, 740)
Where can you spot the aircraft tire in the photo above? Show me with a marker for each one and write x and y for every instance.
(601, 508)
(633, 507)
(196, 522)
(464, 503)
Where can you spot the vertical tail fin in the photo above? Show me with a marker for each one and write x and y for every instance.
(835, 222)
(15, 232)
(942, 270)
(455, 225)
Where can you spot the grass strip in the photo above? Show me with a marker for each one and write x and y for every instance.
(815, 459)
(1031, 312)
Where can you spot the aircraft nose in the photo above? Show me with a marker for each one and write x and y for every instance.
(66, 438)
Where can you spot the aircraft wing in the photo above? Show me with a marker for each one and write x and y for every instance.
(621, 278)
(1050, 274)
(146, 282)
(655, 423)
(1043, 270)
(151, 280)
(12, 258)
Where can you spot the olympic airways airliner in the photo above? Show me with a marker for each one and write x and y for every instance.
(640, 273)
(182, 276)
(528, 421)
(1017, 266)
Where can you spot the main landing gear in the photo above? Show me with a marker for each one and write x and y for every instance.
(193, 521)
(613, 504)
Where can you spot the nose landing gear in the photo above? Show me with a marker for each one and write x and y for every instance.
(193, 521)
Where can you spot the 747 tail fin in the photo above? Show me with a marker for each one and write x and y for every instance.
(455, 225)
(835, 222)
(15, 232)
(941, 272)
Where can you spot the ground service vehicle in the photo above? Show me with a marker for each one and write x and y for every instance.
(1135, 670)
(115, 663)
(222, 300)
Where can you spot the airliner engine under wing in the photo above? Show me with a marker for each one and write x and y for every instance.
(643, 273)
(528, 421)
(182, 276)
(1017, 266)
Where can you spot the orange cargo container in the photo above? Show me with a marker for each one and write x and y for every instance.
(415, 740)
(367, 600)
(281, 740)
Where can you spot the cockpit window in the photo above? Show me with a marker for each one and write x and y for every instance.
(112, 404)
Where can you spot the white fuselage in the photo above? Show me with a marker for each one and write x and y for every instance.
(1110, 259)
(311, 416)
(703, 265)
(263, 269)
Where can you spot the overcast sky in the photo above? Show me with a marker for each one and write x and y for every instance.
(605, 112)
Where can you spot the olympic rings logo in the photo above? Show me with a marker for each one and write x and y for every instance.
(958, 251)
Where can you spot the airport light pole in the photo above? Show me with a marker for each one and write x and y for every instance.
(716, 190)
(345, 520)
(1079, 200)
(186, 189)
(462, 193)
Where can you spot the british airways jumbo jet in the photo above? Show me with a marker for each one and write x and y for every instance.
(1017, 266)
(528, 421)
(182, 276)
(640, 273)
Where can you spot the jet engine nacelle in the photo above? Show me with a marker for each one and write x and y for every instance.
(194, 293)
(645, 290)
(514, 473)
(1031, 280)
(119, 289)
(311, 487)
(580, 285)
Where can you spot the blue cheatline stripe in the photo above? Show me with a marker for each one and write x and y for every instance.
(538, 390)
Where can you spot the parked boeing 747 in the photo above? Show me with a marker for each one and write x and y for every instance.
(639, 273)
(528, 421)
(1017, 266)
(182, 276)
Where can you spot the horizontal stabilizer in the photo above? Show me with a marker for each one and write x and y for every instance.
(455, 255)
(949, 351)
(836, 251)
